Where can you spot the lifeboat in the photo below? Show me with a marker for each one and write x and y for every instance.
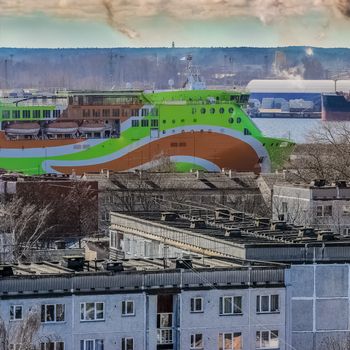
(88, 127)
(23, 129)
(62, 128)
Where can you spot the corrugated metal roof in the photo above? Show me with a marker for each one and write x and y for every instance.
(297, 85)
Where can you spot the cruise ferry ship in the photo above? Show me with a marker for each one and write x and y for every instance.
(88, 131)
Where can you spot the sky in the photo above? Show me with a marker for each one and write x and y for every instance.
(140, 23)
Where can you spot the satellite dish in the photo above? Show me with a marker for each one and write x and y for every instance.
(171, 83)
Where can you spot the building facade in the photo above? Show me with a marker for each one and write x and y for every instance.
(236, 309)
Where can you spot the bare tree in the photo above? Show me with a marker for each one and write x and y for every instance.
(335, 343)
(25, 224)
(25, 334)
(326, 156)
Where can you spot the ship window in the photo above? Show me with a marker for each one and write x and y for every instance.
(135, 123)
(230, 120)
(115, 112)
(182, 120)
(194, 120)
(6, 114)
(36, 114)
(239, 120)
(193, 111)
(221, 110)
(105, 112)
(246, 131)
(173, 121)
(96, 113)
(26, 114)
(154, 122)
(154, 112)
(144, 122)
(203, 110)
(16, 114)
(164, 121)
(86, 113)
(144, 112)
(47, 113)
(230, 110)
(212, 110)
(56, 113)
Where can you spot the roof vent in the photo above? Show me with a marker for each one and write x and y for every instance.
(60, 244)
(318, 183)
(115, 266)
(221, 213)
(233, 233)
(197, 223)
(185, 264)
(307, 232)
(75, 263)
(341, 184)
(325, 236)
(262, 222)
(6, 271)
(169, 216)
(236, 216)
(278, 225)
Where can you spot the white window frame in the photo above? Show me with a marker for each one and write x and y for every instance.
(95, 319)
(193, 341)
(269, 346)
(125, 341)
(232, 334)
(93, 342)
(13, 309)
(125, 308)
(193, 303)
(259, 304)
(55, 313)
(232, 297)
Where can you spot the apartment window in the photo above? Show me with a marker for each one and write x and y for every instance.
(267, 303)
(196, 304)
(91, 344)
(52, 345)
(91, 311)
(196, 341)
(284, 207)
(26, 114)
(16, 114)
(16, 346)
(36, 114)
(128, 308)
(16, 312)
(52, 313)
(267, 339)
(127, 343)
(230, 341)
(135, 123)
(328, 210)
(231, 305)
(47, 114)
(6, 114)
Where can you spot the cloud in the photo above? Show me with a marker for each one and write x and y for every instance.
(120, 13)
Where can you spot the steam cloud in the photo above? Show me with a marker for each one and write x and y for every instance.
(119, 13)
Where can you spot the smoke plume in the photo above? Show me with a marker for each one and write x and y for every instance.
(119, 13)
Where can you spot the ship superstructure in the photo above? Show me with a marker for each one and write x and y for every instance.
(336, 107)
(123, 130)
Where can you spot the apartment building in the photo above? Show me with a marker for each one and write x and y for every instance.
(185, 306)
